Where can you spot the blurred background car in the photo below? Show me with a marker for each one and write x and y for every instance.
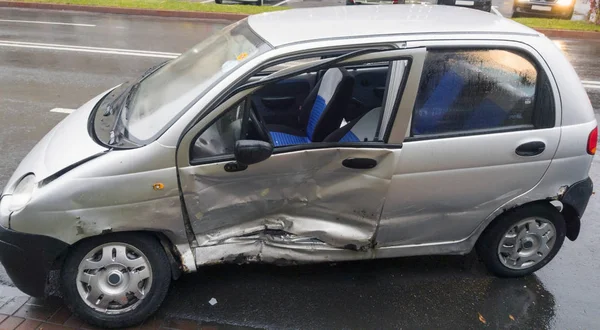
(485, 5)
(256, 2)
(544, 8)
(374, 2)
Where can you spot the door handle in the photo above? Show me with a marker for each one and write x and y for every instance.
(234, 167)
(531, 148)
(360, 163)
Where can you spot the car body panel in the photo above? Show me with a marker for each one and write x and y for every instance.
(303, 25)
(67, 143)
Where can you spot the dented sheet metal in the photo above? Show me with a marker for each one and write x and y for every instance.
(275, 247)
(308, 194)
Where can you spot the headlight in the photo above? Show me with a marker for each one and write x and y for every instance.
(22, 193)
(564, 2)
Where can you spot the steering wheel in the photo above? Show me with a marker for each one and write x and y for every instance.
(259, 123)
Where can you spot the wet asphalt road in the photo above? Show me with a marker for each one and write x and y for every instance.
(425, 292)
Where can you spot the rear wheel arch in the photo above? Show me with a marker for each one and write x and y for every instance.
(543, 213)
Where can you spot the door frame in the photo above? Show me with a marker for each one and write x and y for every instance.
(407, 88)
(397, 125)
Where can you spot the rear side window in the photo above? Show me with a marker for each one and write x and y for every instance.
(464, 91)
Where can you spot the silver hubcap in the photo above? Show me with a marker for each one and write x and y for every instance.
(114, 278)
(527, 243)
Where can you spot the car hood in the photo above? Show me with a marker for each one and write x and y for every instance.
(66, 144)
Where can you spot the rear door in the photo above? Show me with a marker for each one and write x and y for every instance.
(483, 131)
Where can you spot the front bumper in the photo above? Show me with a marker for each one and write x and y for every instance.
(555, 11)
(28, 259)
(485, 5)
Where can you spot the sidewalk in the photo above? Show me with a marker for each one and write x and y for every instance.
(25, 313)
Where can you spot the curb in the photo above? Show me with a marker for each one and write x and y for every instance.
(127, 11)
(550, 33)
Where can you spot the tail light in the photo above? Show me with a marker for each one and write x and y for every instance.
(395, 2)
(592, 141)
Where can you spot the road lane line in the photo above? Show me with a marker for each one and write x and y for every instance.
(62, 110)
(45, 22)
(281, 3)
(590, 82)
(591, 86)
(84, 49)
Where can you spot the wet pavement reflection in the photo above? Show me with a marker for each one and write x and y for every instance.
(424, 292)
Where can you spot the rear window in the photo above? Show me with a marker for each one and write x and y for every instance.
(474, 90)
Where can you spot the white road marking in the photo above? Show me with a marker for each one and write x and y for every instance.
(62, 110)
(83, 49)
(591, 86)
(206, 1)
(47, 23)
(281, 3)
(590, 82)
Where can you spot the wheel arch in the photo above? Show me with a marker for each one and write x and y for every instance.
(170, 249)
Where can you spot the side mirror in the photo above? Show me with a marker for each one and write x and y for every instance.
(248, 152)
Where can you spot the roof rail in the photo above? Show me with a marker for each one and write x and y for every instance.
(496, 11)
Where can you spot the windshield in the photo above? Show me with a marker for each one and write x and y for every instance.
(147, 107)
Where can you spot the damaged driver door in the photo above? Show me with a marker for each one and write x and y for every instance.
(306, 202)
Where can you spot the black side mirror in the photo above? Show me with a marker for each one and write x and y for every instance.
(248, 152)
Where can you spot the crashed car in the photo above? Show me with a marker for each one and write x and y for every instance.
(360, 133)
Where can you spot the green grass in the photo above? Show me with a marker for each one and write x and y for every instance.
(558, 24)
(176, 5)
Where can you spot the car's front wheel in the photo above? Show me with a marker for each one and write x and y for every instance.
(116, 281)
(522, 240)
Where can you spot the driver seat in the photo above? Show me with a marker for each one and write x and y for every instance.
(329, 100)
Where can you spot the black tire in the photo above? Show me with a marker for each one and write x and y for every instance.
(259, 2)
(219, 2)
(487, 245)
(515, 14)
(161, 280)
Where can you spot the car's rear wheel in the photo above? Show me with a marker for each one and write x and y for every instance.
(522, 240)
(219, 2)
(569, 15)
(116, 281)
(515, 14)
(259, 2)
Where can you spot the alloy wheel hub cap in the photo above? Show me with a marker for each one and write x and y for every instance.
(114, 278)
(527, 243)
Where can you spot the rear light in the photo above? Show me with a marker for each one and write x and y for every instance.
(592, 141)
(395, 2)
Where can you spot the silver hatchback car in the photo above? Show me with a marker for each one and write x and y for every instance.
(360, 133)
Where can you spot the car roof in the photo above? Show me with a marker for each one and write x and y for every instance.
(309, 24)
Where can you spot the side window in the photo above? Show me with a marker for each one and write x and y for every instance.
(220, 137)
(471, 90)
